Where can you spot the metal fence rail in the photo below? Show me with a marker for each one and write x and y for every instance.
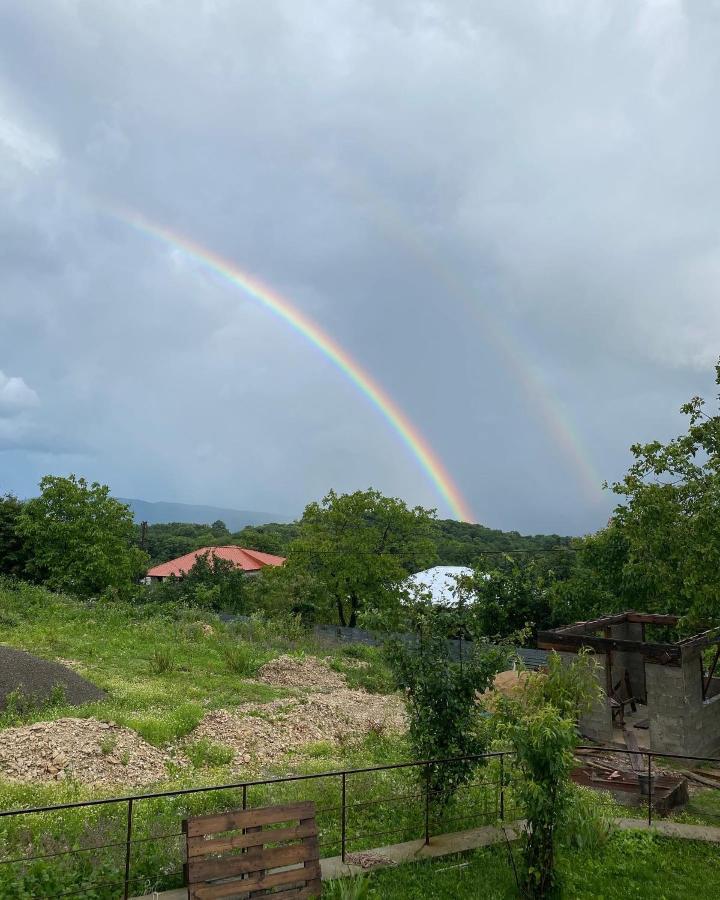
(108, 868)
(133, 844)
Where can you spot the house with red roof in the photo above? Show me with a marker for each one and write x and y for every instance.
(250, 561)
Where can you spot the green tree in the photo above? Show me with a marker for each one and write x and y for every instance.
(505, 600)
(212, 583)
(661, 549)
(220, 529)
(276, 591)
(81, 539)
(360, 547)
(14, 551)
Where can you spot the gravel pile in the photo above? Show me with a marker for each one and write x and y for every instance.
(310, 672)
(86, 750)
(261, 733)
(37, 677)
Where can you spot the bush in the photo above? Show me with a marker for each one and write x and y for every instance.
(539, 726)
(286, 629)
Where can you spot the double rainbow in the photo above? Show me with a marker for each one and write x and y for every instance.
(289, 313)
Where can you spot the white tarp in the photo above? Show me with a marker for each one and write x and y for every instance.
(439, 582)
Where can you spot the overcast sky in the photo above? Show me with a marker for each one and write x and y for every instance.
(507, 213)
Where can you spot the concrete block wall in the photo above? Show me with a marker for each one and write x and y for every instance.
(596, 724)
(680, 721)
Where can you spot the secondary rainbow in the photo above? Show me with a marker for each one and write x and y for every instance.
(547, 406)
(288, 312)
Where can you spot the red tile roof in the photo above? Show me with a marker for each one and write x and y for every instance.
(247, 560)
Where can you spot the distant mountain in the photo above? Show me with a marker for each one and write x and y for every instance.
(235, 519)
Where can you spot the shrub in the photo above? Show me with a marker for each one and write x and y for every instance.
(539, 726)
(360, 651)
(283, 628)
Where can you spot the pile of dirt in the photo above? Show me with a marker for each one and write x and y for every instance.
(511, 685)
(86, 750)
(36, 678)
(310, 672)
(262, 733)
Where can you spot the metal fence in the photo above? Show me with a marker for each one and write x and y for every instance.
(125, 846)
(131, 845)
(531, 657)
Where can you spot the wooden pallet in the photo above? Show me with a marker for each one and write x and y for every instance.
(248, 853)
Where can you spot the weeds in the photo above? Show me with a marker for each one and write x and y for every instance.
(241, 659)
(204, 754)
(21, 707)
(355, 888)
(161, 662)
(108, 744)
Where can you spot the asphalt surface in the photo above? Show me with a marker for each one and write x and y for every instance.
(37, 677)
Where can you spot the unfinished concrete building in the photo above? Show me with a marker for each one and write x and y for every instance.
(665, 694)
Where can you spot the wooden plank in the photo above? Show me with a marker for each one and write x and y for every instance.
(652, 618)
(591, 625)
(632, 744)
(202, 846)
(701, 640)
(260, 871)
(249, 863)
(313, 889)
(247, 818)
(701, 779)
(275, 879)
(668, 654)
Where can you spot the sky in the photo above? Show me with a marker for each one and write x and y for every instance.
(505, 214)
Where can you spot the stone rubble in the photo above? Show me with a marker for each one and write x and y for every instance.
(85, 750)
(261, 733)
(308, 672)
(96, 753)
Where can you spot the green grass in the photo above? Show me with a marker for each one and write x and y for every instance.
(162, 668)
(204, 754)
(633, 865)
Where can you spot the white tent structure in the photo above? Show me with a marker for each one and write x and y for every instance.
(439, 582)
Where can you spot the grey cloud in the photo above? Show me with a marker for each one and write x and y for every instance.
(15, 395)
(479, 201)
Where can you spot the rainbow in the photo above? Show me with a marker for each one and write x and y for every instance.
(284, 309)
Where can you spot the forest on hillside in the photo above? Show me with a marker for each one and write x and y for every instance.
(456, 543)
